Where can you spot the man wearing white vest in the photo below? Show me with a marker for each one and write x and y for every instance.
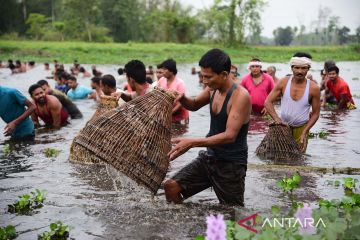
(300, 100)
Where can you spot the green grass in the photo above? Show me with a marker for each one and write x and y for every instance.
(120, 53)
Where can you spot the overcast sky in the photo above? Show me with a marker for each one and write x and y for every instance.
(294, 13)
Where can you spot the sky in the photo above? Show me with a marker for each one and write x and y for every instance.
(282, 13)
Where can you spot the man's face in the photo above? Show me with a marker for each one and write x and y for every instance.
(167, 73)
(159, 73)
(46, 88)
(212, 79)
(270, 70)
(233, 73)
(332, 75)
(300, 71)
(94, 85)
(255, 69)
(105, 89)
(38, 95)
(72, 84)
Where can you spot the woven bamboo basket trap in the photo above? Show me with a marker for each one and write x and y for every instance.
(134, 138)
(279, 145)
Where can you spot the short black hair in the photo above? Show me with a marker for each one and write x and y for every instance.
(333, 68)
(82, 69)
(42, 82)
(217, 60)
(64, 75)
(72, 78)
(159, 66)
(255, 60)
(18, 62)
(96, 80)
(149, 80)
(328, 63)
(108, 80)
(47, 64)
(302, 54)
(170, 64)
(33, 87)
(135, 69)
(120, 71)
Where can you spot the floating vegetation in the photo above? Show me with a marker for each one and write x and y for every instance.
(51, 152)
(349, 183)
(355, 78)
(7, 149)
(27, 203)
(355, 96)
(8, 232)
(58, 231)
(288, 184)
(267, 117)
(322, 134)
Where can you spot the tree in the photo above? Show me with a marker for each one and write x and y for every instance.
(283, 36)
(343, 35)
(37, 24)
(357, 34)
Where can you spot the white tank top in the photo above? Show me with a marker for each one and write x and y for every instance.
(295, 113)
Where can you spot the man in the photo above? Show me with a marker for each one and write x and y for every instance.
(95, 85)
(234, 74)
(108, 84)
(298, 94)
(48, 108)
(271, 70)
(85, 73)
(223, 165)
(258, 84)
(69, 106)
(61, 78)
(171, 81)
(77, 91)
(339, 89)
(13, 112)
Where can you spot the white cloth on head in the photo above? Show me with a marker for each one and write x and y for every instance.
(300, 61)
(254, 63)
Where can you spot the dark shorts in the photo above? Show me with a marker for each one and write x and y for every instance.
(227, 179)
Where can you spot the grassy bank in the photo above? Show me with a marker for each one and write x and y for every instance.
(120, 53)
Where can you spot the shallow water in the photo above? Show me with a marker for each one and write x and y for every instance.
(84, 196)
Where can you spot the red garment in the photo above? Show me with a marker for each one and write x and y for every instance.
(340, 87)
(48, 120)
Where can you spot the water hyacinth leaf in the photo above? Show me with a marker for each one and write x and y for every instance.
(275, 210)
(50, 152)
(6, 149)
(199, 238)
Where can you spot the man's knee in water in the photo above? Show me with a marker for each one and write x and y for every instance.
(172, 191)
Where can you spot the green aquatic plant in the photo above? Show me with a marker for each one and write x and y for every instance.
(6, 149)
(288, 184)
(322, 134)
(27, 203)
(51, 152)
(349, 183)
(355, 78)
(335, 183)
(58, 231)
(8, 232)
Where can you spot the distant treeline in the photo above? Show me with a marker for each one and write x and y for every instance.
(229, 22)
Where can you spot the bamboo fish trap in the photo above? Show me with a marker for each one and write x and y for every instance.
(80, 154)
(134, 138)
(279, 145)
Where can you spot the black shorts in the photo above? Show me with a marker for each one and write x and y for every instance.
(227, 178)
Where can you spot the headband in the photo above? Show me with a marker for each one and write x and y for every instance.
(254, 63)
(300, 61)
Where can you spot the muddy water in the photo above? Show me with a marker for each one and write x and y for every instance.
(84, 197)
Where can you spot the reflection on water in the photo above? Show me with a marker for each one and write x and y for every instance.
(89, 197)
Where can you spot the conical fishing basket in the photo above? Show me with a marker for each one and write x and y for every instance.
(279, 145)
(134, 138)
(81, 154)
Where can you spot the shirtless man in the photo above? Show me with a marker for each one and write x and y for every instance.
(223, 165)
(48, 108)
(298, 95)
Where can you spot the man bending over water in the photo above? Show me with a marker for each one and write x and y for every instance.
(223, 165)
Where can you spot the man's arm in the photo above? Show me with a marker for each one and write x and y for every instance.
(10, 127)
(55, 111)
(239, 114)
(195, 103)
(271, 98)
(315, 113)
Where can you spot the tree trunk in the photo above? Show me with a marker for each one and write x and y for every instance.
(24, 10)
(232, 17)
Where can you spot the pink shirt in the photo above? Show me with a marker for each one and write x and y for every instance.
(179, 86)
(258, 92)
